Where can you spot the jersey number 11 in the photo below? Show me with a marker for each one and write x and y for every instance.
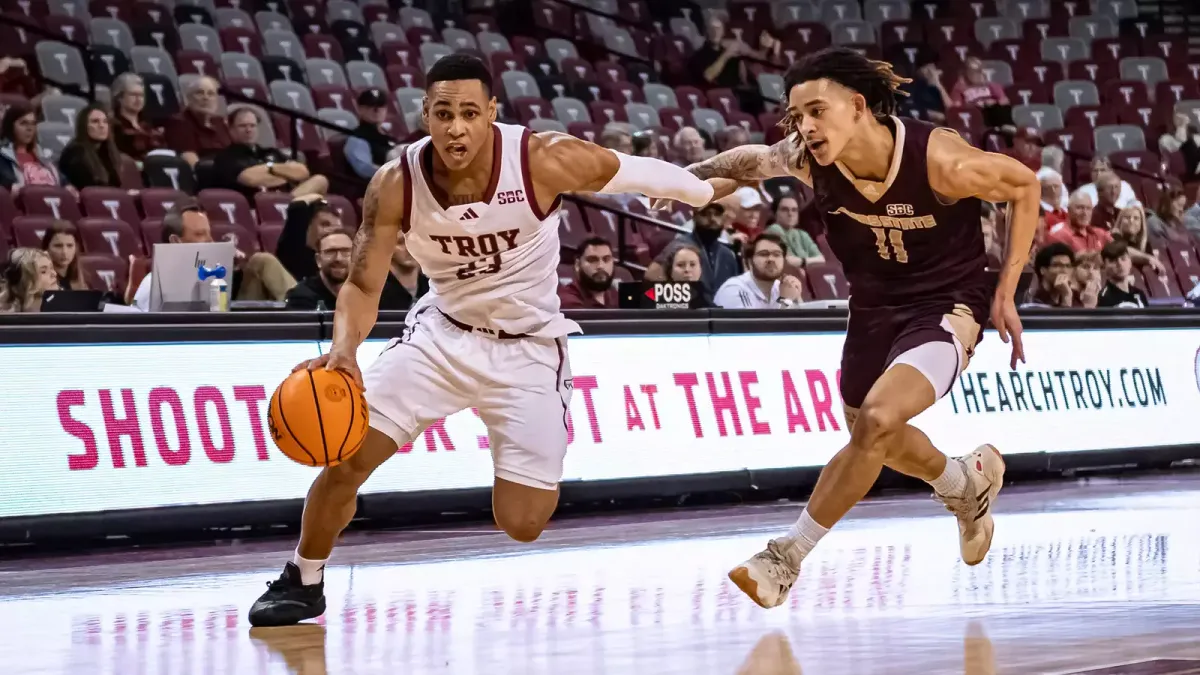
(890, 243)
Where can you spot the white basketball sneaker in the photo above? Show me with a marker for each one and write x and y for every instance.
(985, 476)
(767, 576)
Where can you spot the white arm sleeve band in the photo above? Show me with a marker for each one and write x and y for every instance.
(656, 178)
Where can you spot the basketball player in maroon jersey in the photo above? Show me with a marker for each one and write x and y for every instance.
(901, 200)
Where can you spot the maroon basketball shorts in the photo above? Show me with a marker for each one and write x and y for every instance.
(879, 335)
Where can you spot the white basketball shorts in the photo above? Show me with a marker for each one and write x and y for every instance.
(521, 388)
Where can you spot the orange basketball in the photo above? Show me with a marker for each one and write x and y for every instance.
(319, 417)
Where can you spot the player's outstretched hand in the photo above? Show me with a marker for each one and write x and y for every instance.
(335, 360)
(1008, 325)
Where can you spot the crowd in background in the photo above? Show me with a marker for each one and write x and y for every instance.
(1096, 243)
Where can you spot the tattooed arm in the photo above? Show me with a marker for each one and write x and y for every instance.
(358, 299)
(751, 163)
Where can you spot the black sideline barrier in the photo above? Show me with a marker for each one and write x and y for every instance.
(155, 424)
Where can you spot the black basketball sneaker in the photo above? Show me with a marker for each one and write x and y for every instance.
(288, 601)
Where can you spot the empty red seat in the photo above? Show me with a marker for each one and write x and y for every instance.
(827, 282)
(604, 112)
(152, 233)
(226, 206)
(46, 200)
(241, 40)
(106, 273)
(723, 100)
(529, 108)
(690, 97)
(268, 237)
(1183, 259)
(1027, 93)
(607, 71)
(1126, 92)
(1161, 285)
(8, 211)
(28, 230)
(243, 238)
(1097, 71)
(334, 96)
(585, 130)
(1072, 139)
(189, 62)
(321, 46)
(271, 207)
(1090, 116)
(1168, 48)
(108, 202)
(106, 236)
(505, 61)
(157, 201)
(1170, 92)
(405, 76)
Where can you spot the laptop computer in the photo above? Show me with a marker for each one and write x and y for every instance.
(71, 301)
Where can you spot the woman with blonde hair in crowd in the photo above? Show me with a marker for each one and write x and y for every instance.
(1130, 227)
(61, 243)
(28, 275)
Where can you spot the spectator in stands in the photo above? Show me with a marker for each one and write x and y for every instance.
(17, 78)
(1130, 228)
(927, 99)
(133, 133)
(1078, 232)
(1101, 166)
(684, 263)
(718, 262)
(799, 246)
(973, 90)
(91, 159)
(21, 160)
(617, 139)
(1053, 266)
(1052, 196)
(688, 146)
(308, 219)
(1027, 148)
(645, 145)
(320, 290)
(763, 285)
(250, 168)
(367, 150)
(406, 283)
(28, 274)
(744, 210)
(592, 287)
(1086, 282)
(1108, 190)
(1118, 290)
(732, 136)
(1170, 222)
(61, 243)
(1053, 157)
(198, 132)
(257, 277)
(719, 61)
(1184, 138)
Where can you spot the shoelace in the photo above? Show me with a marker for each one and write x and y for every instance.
(963, 508)
(775, 561)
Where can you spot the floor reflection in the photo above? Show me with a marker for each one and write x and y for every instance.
(1078, 588)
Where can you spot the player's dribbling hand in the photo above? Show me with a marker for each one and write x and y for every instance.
(1008, 325)
(335, 360)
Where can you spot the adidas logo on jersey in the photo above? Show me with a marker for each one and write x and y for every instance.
(469, 215)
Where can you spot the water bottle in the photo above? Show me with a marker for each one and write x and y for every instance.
(218, 290)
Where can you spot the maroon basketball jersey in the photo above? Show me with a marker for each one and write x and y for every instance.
(907, 245)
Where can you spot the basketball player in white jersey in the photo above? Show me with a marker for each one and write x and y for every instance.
(477, 204)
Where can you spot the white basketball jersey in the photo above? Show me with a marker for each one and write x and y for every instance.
(492, 264)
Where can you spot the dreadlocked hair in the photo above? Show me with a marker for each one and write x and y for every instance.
(875, 80)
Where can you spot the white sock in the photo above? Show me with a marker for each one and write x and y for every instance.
(953, 481)
(803, 536)
(311, 571)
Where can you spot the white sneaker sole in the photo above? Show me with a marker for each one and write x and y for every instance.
(744, 580)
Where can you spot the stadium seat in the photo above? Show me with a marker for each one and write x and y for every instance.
(108, 202)
(244, 238)
(105, 273)
(827, 282)
(44, 200)
(268, 236)
(1160, 285)
(107, 236)
(226, 206)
